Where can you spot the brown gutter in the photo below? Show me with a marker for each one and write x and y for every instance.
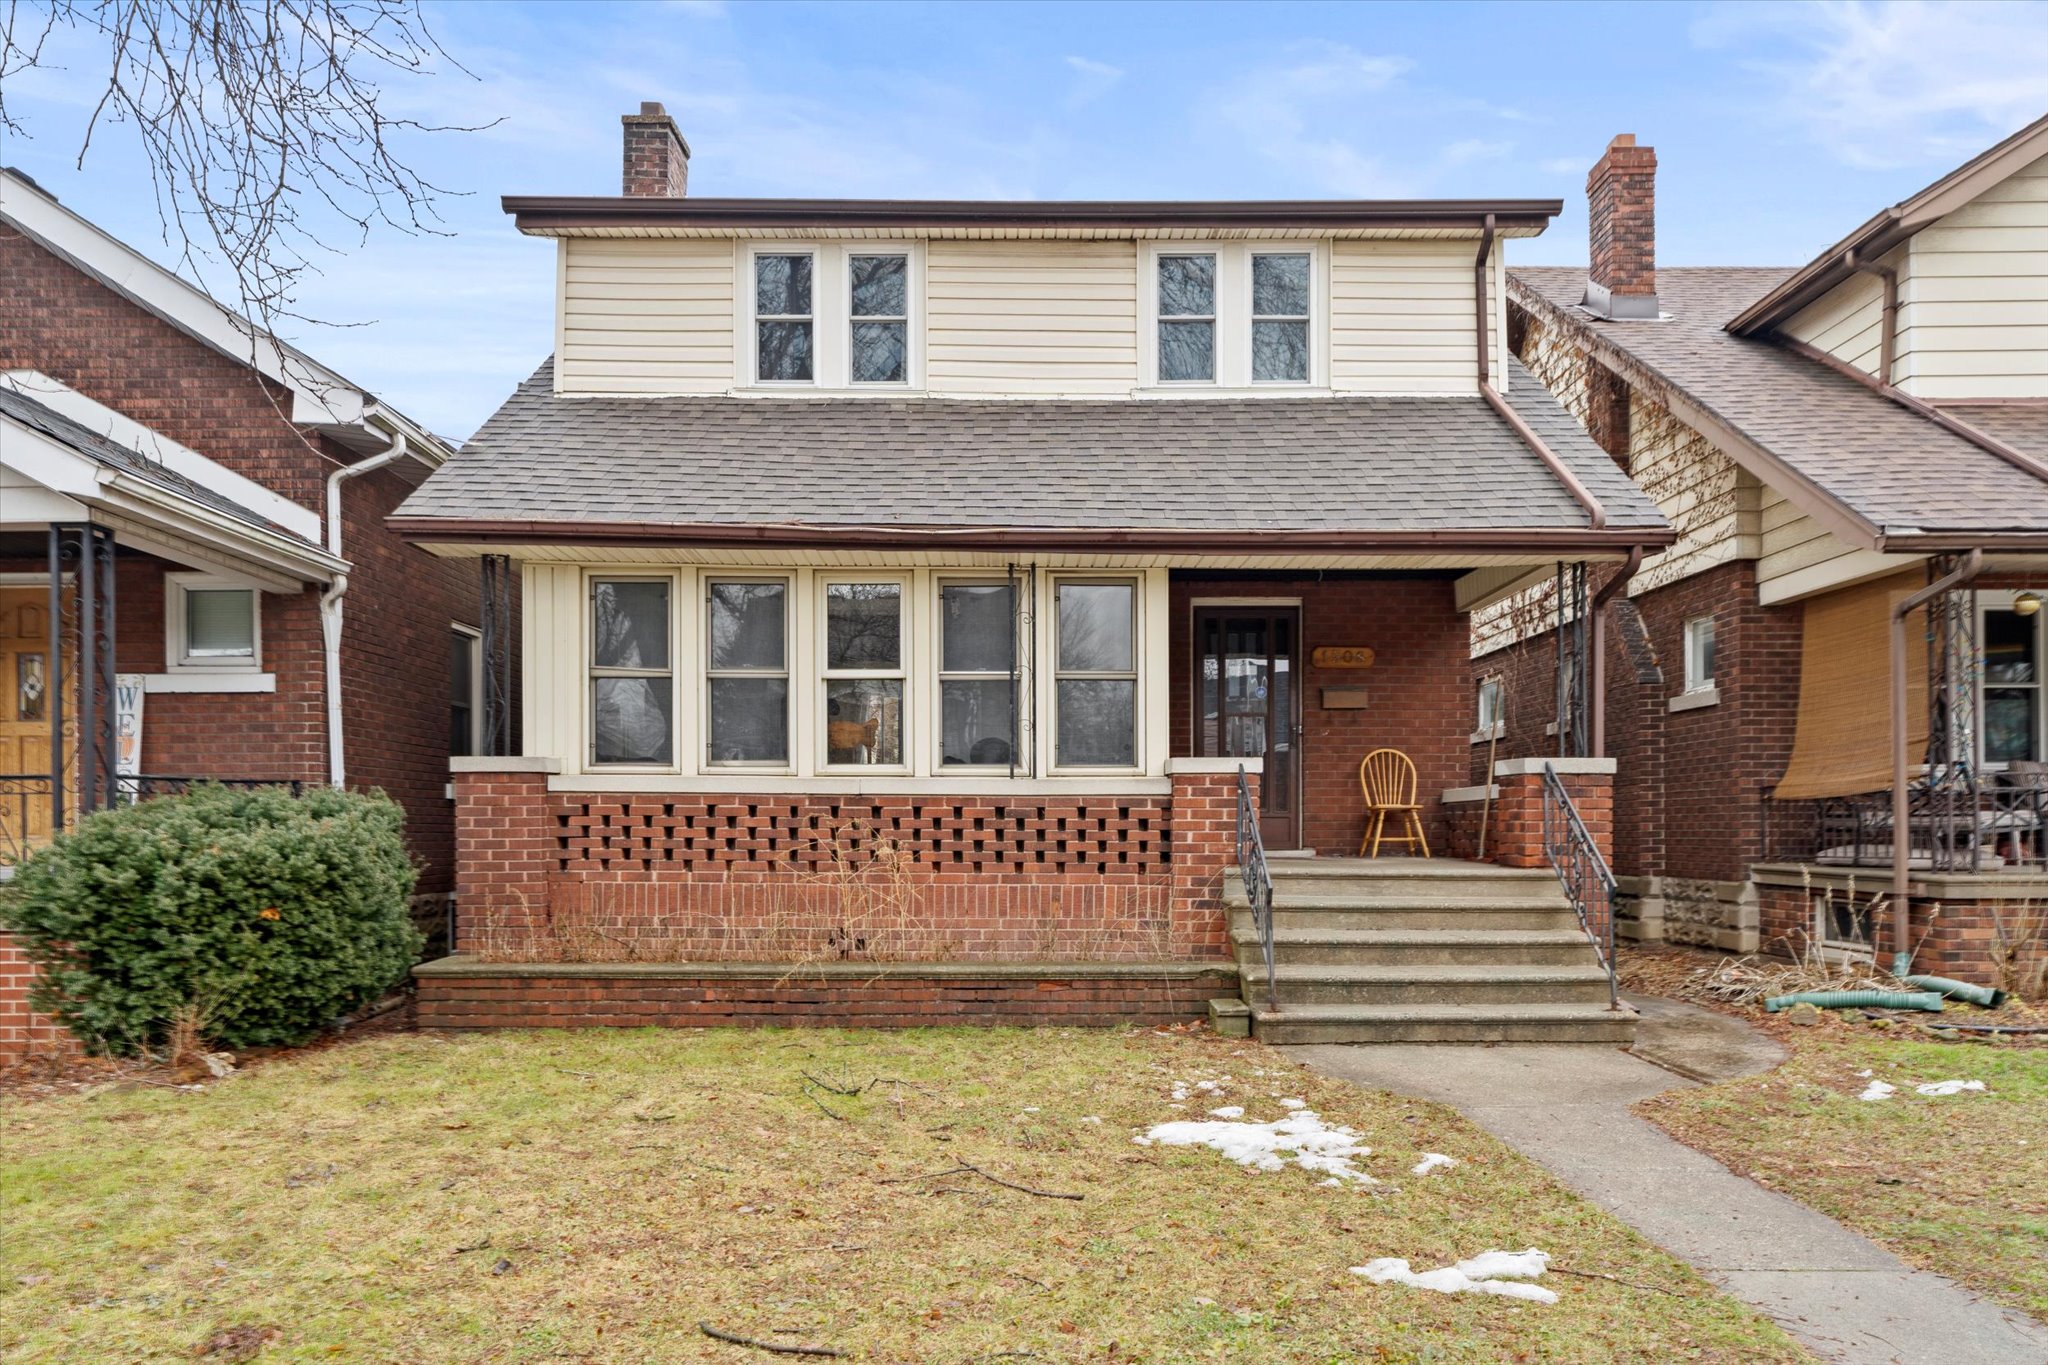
(1947, 421)
(1902, 841)
(1599, 646)
(1596, 515)
(558, 211)
(1545, 540)
(1888, 334)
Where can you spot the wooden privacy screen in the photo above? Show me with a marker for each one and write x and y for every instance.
(1843, 743)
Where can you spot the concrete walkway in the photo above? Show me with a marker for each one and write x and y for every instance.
(1566, 1107)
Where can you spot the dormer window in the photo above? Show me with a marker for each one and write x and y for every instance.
(782, 319)
(1239, 316)
(834, 318)
(881, 318)
(1280, 312)
(1187, 319)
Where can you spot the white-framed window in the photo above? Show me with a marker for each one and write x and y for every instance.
(2012, 727)
(785, 320)
(1234, 315)
(862, 672)
(1282, 282)
(1843, 923)
(878, 317)
(980, 681)
(1491, 709)
(746, 672)
(1095, 673)
(211, 624)
(632, 672)
(465, 691)
(1699, 654)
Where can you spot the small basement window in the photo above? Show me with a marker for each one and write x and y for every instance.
(211, 624)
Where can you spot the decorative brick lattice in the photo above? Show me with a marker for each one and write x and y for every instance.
(783, 835)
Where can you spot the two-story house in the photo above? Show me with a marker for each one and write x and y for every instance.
(921, 584)
(1845, 640)
(195, 576)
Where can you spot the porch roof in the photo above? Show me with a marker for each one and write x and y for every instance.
(1324, 472)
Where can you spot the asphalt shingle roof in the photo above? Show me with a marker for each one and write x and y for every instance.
(1202, 465)
(1890, 465)
(83, 439)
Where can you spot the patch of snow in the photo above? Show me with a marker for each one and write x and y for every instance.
(1948, 1087)
(1433, 1161)
(1490, 1272)
(1211, 1086)
(1301, 1139)
(1228, 1111)
(1090, 1118)
(1294, 1104)
(1865, 1074)
(1180, 1092)
(1030, 1108)
(1878, 1090)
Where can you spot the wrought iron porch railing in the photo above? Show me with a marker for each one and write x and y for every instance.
(1258, 880)
(1950, 827)
(1588, 883)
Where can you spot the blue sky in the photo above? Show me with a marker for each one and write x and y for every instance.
(1778, 128)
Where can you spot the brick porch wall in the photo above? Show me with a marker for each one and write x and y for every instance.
(1975, 940)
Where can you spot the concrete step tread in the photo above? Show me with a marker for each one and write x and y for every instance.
(1429, 973)
(1419, 938)
(1373, 1014)
(1537, 899)
(1366, 869)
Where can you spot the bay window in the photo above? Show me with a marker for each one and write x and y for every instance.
(978, 680)
(747, 672)
(1095, 677)
(863, 674)
(632, 676)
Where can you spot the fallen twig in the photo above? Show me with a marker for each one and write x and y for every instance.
(1615, 1279)
(735, 1339)
(830, 1088)
(964, 1168)
(823, 1108)
(586, 1075)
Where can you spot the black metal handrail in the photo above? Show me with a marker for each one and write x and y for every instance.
(18, 790)
(1258, 880)
(1588, 883)
(1949, 827)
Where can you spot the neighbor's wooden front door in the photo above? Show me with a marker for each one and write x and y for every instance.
(1248, 704)
(24, 716)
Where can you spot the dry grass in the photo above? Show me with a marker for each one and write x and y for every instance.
(594, 1196)
(1957, 1184)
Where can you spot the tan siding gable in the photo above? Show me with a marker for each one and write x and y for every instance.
(1847, 321)
(1035, 318)
(645, 317)
(1401, 318)
(1974, 314)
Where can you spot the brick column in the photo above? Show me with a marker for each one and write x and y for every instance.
(1515, 835)
(503, 846)
(1204, 843)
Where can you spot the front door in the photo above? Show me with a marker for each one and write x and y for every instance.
(1248, 704)
(24, 718)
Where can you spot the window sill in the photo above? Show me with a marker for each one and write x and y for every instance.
(1486, 734)
(1695, 700)
(1198, 389)
(201, 680)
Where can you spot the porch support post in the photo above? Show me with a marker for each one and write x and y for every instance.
(1902, 836)
(53, 688)
(90, 548)
(495, 614)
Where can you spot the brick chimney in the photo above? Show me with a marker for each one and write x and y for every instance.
(657, 158)
(1621, 203)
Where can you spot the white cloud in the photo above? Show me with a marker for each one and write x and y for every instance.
(1287, 113)
(1476, 149)
(1894, 84)
(1092, 80)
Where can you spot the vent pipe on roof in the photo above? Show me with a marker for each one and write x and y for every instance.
(1621, 223)
(657, 159)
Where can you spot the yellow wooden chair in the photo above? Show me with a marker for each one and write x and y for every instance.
(1388, 779)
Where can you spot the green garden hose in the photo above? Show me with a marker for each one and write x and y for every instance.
(1842, 1000)
(1986, 996)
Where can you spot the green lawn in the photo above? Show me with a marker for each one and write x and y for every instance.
(1958, 1184)
(595, 1196)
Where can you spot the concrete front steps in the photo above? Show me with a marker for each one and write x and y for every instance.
(1409, 950)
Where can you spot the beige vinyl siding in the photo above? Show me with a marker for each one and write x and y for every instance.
(1037, 319)
(1848, 321)
(645, 316)
(1401, 318)
(1799, 558)
(1710, 501)
(1974, 301)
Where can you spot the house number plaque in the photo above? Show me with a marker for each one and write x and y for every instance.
(1341, 656)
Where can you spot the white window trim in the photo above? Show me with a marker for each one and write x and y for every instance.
(476, 682)
(831, 318)
(1483, 733)
(1989, 601)
(1234, 319)
(587, 658)
(176, 585)
(1022, 612)
(1053, 674)
(820, 692)
(1696, 685)
(797, 671)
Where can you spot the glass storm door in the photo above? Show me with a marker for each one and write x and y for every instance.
(1248, 704)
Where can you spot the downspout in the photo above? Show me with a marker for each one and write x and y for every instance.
(1887, 340)
(1902, 843)
(330, 600)
(1598, 648)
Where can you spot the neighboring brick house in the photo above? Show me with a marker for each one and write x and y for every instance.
(1827, 442)
(210, 506)
(979, 544)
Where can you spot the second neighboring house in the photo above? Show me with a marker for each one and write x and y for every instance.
(195, 577)
(1855, 457)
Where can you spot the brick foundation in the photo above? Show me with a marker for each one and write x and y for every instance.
(1514, 825)
(22, 1030)
(462, 994)
(1972, 927)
